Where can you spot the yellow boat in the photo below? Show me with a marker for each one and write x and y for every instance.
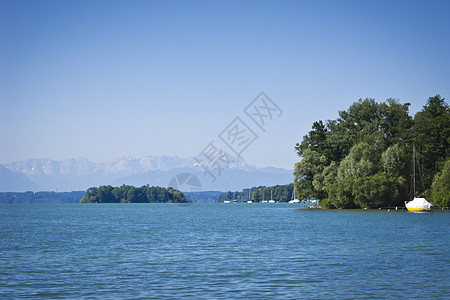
(418, 205)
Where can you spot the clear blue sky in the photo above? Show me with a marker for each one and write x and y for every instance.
(103, 79)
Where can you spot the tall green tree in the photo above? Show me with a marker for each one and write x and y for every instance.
(432, 136)
(310, 166)
(374, 191)
(440, 189)
(368, 144)
(396, 123)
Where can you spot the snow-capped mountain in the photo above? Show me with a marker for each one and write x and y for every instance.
(80, 173)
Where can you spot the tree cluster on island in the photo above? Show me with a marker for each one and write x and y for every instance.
(131, 194)
(363, 159)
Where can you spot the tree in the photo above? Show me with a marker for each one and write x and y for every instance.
(440, 189)
(393, 160)
(366, 151)
(176, 196)
(131, 194)
(315, 140)
(305, 171)
(105, 194)
(341, 195)
(396, 123)
(374, 191)
(432, 136)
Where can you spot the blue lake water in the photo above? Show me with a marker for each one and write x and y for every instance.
(221, 251)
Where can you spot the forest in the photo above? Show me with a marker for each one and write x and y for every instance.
(363, 159)
(280, 193)
(241, 196)
(41, 197)
(131, 194)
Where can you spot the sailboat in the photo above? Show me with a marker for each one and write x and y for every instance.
(249, 200)
(271, 199)
(235, 198)
(263, 201)
(226, 201)
(417, 204)
(294, 197)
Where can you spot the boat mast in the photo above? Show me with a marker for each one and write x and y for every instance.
(414, 171)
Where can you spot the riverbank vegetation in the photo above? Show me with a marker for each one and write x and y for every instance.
(241, 196)
(131, 194)
(41, 197)
(279, 193)
(363, 159)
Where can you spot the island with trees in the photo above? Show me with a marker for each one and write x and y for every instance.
(131, 194)
(363, 159)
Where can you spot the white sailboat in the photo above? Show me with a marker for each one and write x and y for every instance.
(249, 200)
(263, 200)
(294, 197)
(226, 199)
(417, 204)
(271, 199)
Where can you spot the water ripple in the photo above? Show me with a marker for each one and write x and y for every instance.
(220, 251)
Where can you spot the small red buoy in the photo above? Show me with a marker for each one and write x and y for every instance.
(389, 210)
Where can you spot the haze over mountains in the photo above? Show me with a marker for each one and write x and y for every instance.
(80, 174)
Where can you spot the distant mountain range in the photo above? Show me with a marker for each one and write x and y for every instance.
(80, 174)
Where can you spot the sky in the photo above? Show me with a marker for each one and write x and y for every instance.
(105, 79)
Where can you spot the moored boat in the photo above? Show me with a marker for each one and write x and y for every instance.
(417, 204)
(294, 198)
(271, 198)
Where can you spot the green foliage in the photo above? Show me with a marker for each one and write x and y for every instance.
(373, 191)
(326, 203)
(363, 158)
(341, 194)
(432, 136)
(393, 160)
(131, 194)
(305, 171)
(440, 189)
(360, 162)
(280, 193)
(241, 196)
(41, 197)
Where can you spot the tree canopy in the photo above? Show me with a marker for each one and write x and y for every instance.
(363, 158)
(131, 194)
(280, 193)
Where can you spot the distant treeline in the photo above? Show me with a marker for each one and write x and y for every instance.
(41, 197)
(363, 159)
(242, 196)
(280, 193)
(131, 194)
(202, 196)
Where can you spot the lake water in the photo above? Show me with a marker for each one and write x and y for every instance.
(221, 251)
